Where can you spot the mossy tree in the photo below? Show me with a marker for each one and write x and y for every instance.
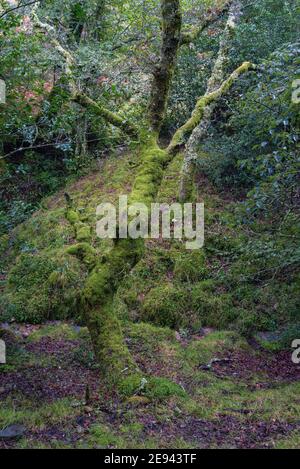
(105, 274)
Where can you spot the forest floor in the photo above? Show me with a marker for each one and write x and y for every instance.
(230, 392)
(235, 394)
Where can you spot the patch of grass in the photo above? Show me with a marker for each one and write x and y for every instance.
(102, 436)
(36, 417)
(200, 352)
(59, 330)
(291, 442)
(281, 403)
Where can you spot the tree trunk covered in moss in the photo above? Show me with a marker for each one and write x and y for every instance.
(162, 76)
(106, 274)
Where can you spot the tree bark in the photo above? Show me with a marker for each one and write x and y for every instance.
(162, 76)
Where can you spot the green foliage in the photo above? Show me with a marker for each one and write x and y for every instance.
(190, 266)
(24, 183)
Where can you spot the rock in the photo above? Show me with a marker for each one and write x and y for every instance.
(12, 431)
(88, 410)
(137, 401)
(209, 366)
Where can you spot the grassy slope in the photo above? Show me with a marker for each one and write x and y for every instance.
(172, 289)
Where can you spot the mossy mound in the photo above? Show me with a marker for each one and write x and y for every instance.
(153, 388)
(190, 266)
(213, 308)
(41, 287)
(165, 305)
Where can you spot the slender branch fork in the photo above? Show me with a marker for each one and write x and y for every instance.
(20, 5)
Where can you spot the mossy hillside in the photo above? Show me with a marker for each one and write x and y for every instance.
(43, 277)
(48, 228)
(237, 294)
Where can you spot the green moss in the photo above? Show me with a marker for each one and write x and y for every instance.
(102, 436)
(84, 252)
(134, 429)
(213, 310)
(153, 388)
(165, 305)
(83, 234)
(161, 388)
(290, 442)
(42, 286)
(148, 179)
(190, 266)
(72, 216)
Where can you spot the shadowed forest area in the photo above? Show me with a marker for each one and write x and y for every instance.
(136, 342)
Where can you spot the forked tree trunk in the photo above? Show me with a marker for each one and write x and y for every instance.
(105, 274)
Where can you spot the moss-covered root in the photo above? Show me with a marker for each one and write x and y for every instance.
(112, 354)
(103, 281)
(182, 133)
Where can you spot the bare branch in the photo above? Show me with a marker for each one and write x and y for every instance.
(179, 137)
(21, 5)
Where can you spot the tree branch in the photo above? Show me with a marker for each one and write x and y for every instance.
(180, 136)
(214, 82)
(162, 76)
(76, 94)
(21, 5)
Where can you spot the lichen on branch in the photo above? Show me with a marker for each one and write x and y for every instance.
(183, 132)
